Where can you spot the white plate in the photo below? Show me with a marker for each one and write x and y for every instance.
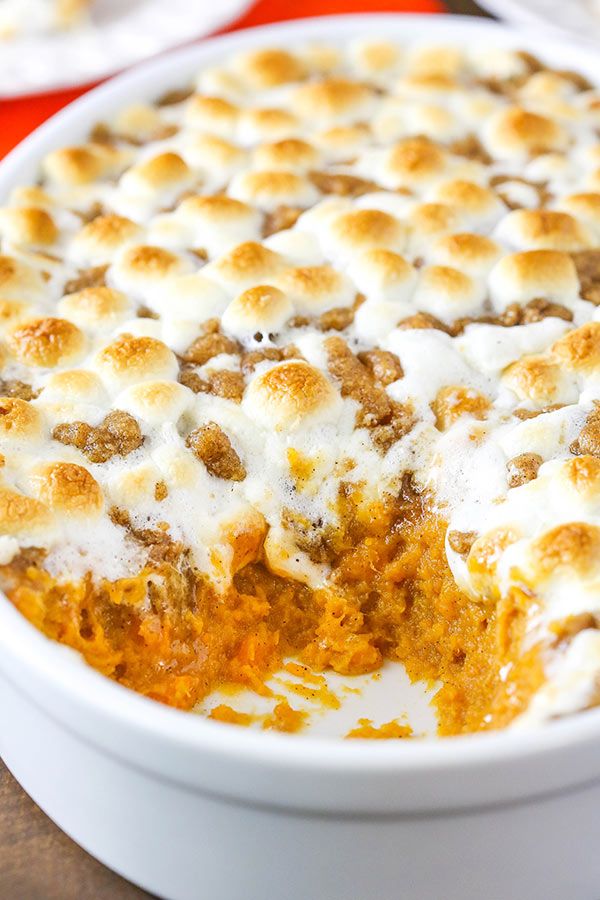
(580, 18)
(122, 33)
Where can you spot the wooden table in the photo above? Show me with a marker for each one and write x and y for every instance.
(38, 861)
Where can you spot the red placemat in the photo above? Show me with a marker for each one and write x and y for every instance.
(20, 116)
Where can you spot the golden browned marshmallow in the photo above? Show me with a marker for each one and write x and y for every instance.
(216, 156)
(95, 307)
(484, 556)
(293, 154)
(162, 172)
(130, 359)
(212, 114)
(474, 254)
(585, 207)
(568, 549)
(435, 60)
(75, 385)
(315, 289)
(447, 293)
(219, 222)
(46, 342)
(74, 166)
(383, 275)
(540, 379)
(19, 281)
(67, 488)
(260, 310)
(12, 313)
(582, 473)
(144, 267)
(19, 420)
(514, 133)
(245, 265)
(477, 204)
(521, 277)
(27, 226)
(31, 195)
(138, 121)
(155, 402)
(272, 188)
(329, 101)
(579, 349)
(364, 229)
(100, 240)
(545, 84)
(267, 124)
(289, 395)
(373, 57)
(269, 67)
(414, 162)
(543, 229)
(321, 58)
(21, 515)
(342, 141)
(429, 221)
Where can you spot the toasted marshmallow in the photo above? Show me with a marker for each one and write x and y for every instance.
(268, 68)
(292, 154)
(130, 359)
(217, 158)
(20, 421)
(585, 207)
(259, 310)
(479, 206)
(430, 59)
(541, 380)
(96, 308)
(447, 293)
(342, 141)
(364, 229)
(579, 350)
(244, 266)
(155, 402)
(291, 395)
(214, 115)
(139, 122)
(471, 253)
(217, 222)
(543, 229)
(191, 297)
(18, 281)
(516, 133)
(46, 343)
(413, 163)
(27, 226)
(151, 184)
(429, 221)
(68, 489)
(521, 277)
(332, 101)
(21, 515)
(266, 124)
(374, 57)
(383, 275)
(270, 189)
(101, 239)
(315, 289)
(76, 166)
(141, 269)
(74, 385)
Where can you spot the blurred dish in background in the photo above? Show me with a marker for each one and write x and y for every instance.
(19, 18)
(50, 44)
(577, 17)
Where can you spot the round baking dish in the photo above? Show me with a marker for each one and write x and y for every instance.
(190, 808)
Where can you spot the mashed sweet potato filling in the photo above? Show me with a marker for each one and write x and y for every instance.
(168, 634)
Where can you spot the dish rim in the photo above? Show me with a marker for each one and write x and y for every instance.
(61, 667)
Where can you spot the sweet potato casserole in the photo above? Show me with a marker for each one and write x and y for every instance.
(303, 361)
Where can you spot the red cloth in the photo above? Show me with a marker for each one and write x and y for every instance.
(19, 117)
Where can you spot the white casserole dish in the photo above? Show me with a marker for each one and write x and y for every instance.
(189, 808)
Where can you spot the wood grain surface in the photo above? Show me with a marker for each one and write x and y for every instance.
(38, 861)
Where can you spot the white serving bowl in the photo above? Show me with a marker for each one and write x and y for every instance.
(190, 808)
